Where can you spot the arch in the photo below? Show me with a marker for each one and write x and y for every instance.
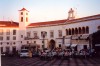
(69, 31)
(52, 44)
(80, 31)
(87, 29)
(83, 30)
(76, 31)
(66, 31)
(72, 31)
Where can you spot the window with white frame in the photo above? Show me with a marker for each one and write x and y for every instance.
(51, 33)
(60, 33)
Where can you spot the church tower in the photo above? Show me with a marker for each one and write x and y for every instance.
(23, 22)
(71, 14)
(23, 18)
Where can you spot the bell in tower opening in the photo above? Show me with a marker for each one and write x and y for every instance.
(71, 14)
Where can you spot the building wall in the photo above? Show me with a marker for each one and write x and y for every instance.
(92, 24)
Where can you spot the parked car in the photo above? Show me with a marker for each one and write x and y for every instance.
(24, 53)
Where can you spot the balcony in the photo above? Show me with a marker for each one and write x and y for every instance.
(28, 38)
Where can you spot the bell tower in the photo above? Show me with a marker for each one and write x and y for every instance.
(23, 22)
(23, 18)
(71, 14)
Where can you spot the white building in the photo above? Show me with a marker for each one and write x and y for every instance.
(71, 31)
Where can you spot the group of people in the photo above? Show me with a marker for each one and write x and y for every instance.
(63, 54)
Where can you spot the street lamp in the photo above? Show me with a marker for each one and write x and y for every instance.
(43, 33)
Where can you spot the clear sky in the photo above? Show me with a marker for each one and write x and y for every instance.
(47, 10)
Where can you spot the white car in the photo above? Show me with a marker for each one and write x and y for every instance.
(24, 53)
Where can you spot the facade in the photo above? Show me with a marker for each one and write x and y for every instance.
(73, 32)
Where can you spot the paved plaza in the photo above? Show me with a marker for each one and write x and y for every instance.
(35, 61)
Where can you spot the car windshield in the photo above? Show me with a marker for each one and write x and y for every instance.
(24, 50)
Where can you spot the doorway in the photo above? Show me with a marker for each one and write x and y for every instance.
(52, 44)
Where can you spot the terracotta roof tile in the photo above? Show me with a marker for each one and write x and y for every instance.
(88, 18)
(8, 24)
(37, 24)
(23, 9)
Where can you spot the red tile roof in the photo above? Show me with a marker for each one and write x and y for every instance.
(23, 9)
(64, 21)
(37, 24)
(9, 24)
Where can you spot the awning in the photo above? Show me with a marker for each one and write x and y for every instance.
(73, 45)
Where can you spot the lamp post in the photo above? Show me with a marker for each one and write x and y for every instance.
(43, 33)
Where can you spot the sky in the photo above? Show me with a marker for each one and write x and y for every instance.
(47, 10)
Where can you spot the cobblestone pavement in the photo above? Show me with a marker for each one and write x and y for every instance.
(15, 61)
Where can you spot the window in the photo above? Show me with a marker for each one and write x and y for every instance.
(21, 19)
(35, 34)
(83, 30)
(14, 37)
(1, 31)
(76, 31)
(72, 31)
(1, 43)
(28, 34)
(14, 32)
(66, 31)
(43, 34)
(69, 31)
(7, 32)
(34, 42)
(8, 38)
(87, 29)
(21, 41)
(21, 36)
(7, 49)
(52, 34)
(21, 13)
(60, 33)
(80, 31)
(14, 43)
(1, 37)
(7, 43)
(26, 19)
